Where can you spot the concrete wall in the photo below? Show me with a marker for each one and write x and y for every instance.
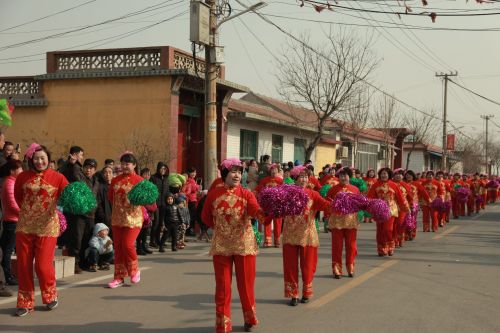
(325, 154)
(417, 161)
(104, 116)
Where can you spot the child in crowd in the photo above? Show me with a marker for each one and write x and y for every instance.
(170, 223)
(185, 220)
(100, 251)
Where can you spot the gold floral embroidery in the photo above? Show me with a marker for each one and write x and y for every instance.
(37, 215)
(307, 290)
(25, 299)
(348, 221)
(49, 294)
(125, 214)
(120, 271)
(386, 193)
(431, 189)
(250, 316)
(222, 323)
(132, 267)
(233, 232)
(301, 229)
(291, 290)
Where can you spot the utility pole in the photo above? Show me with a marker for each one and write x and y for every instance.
(211, 100)
(445, 121)
(486, 117)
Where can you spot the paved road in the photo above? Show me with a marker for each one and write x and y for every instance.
(443, 282)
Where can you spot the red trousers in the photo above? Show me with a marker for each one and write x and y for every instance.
(41, 250)
(339, 237)
(245, 280)
(456, 208)
(308, 256)
(492, 196)
(126, 263)
(385, 242)
(485, 200)
(398, 231)
(430, 215)
(470, 205)
(277, 233)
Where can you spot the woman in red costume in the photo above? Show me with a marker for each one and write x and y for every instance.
(457, 208)
(228, 210)
(444, 217)
(126, 222)
(271, 181)
(344, 228)
(300, 241)
(388, 191)
(419, 196)
(370, 179)
(433, 189)
(399, 230)
(37, 191)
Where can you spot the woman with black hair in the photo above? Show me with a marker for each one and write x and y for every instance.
(419, 195)
(228, 209)
(126, 221)
(388, 191)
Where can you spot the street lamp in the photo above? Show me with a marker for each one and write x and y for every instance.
(211, 89)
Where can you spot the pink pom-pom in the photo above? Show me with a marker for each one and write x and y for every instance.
(295, 172)
(147, 218)
(283, 200)
(410, 221)
(31, 150)
(479, 199)
(379, 210)
(63, 225)
(463, 194)
(349, 203)
(492, 184)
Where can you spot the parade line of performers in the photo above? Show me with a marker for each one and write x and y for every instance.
(391, 198)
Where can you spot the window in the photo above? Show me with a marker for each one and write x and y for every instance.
(277, 149)
(248, 145)
(367, 157)
(299, 150)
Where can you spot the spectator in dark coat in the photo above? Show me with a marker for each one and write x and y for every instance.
(160, 179)
(103, 213)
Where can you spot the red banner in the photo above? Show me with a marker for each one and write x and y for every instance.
(450, 142)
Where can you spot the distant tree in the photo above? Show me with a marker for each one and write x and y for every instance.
(423, 129)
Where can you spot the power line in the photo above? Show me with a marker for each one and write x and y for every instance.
(47, 16)
(477, 94)
(144, 10)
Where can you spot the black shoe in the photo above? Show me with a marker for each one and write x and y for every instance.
(140, 252)
(78, 270)
(52, 305)
(294, 302)
(351, 275)
(161, 249)
(336, 276)
(21, 312)
(147, 250)
(174, 250)
(12, 281)
(304, 300)
(153, 245)
(248, 327)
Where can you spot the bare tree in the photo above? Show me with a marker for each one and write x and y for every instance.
(324, 77)
(494, 151)
(468, 151)
(386, 118)
(356, 117)
(423, 128)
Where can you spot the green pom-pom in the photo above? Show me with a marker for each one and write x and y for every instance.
(288, 181)
(143, 193)
(457, 186)
(324, 190)
(77, 199)
(359, 183)
(258, 236)
(176, 180)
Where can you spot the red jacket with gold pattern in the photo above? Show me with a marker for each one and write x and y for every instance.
(433, 189)
(390, 192)
(229, 211)
(419, 193)
(124, 214)
(36, 194)
(301, 229)
(337, 220)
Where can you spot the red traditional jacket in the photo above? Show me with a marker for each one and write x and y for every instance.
(229, 212)
(390, 192)
(301, 229)
(124, 214)
(218, 182)
(476, 187)
(419, 193)
(268, 182)
(454, 185)
(329, 179)
(36, 194)
(369, 182)
(314, 183)
(433, 189)
(445, 185)
(406, 191)
(337, 220)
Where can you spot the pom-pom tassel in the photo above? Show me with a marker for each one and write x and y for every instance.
(63, 225)
(143, 193)
(379, 210)
(77, 199)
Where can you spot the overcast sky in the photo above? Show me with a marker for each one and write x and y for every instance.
(407, 68)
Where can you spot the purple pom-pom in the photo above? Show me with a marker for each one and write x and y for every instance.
(447, 206)
(379, 210)
(479, 199)
(63, 225)
(410, 221)
(283, 200)
(438, 204)
(463, 194)
(492, 184)
(349, 203)
(147, 218)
